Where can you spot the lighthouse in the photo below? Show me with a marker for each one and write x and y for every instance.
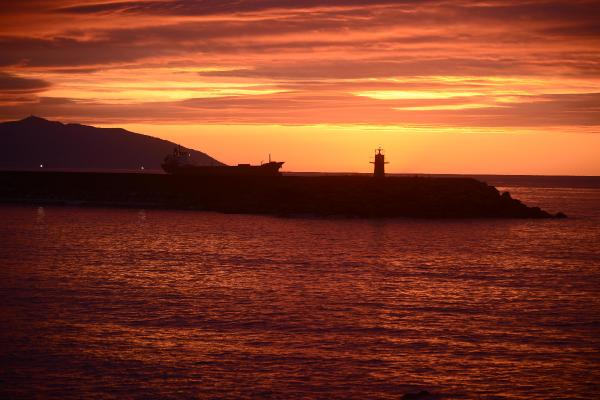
(379, 164)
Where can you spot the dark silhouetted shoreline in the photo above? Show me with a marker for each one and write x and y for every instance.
(346, 196)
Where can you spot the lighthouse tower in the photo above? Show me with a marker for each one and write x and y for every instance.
(379, 164)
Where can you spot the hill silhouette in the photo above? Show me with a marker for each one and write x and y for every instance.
(34, 141)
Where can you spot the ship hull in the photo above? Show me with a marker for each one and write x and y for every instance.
(268, 169)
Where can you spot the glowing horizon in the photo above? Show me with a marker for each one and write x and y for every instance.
(462, 87)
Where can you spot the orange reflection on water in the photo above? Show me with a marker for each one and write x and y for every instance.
(200, 304)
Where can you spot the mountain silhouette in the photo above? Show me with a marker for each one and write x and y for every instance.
(34, 141)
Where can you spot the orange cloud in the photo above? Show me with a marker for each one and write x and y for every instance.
(461, 64)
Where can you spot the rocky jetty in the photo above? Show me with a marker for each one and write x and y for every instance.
(422, 395)
(349, 196)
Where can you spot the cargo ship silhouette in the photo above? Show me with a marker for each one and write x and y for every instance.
(179, 163)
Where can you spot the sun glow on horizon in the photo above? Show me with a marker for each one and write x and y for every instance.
(410, 149)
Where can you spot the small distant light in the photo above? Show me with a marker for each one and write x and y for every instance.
(142, 167)
(41, 165)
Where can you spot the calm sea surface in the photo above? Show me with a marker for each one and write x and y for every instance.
(120, 303)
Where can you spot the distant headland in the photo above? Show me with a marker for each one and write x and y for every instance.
(33, 142)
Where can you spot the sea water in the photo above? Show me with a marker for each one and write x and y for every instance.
(143, 303)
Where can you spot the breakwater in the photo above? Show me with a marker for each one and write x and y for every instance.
(353, 196)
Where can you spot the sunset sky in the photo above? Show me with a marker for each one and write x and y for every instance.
(450, 86)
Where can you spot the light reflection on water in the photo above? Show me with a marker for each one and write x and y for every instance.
(148, 303)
